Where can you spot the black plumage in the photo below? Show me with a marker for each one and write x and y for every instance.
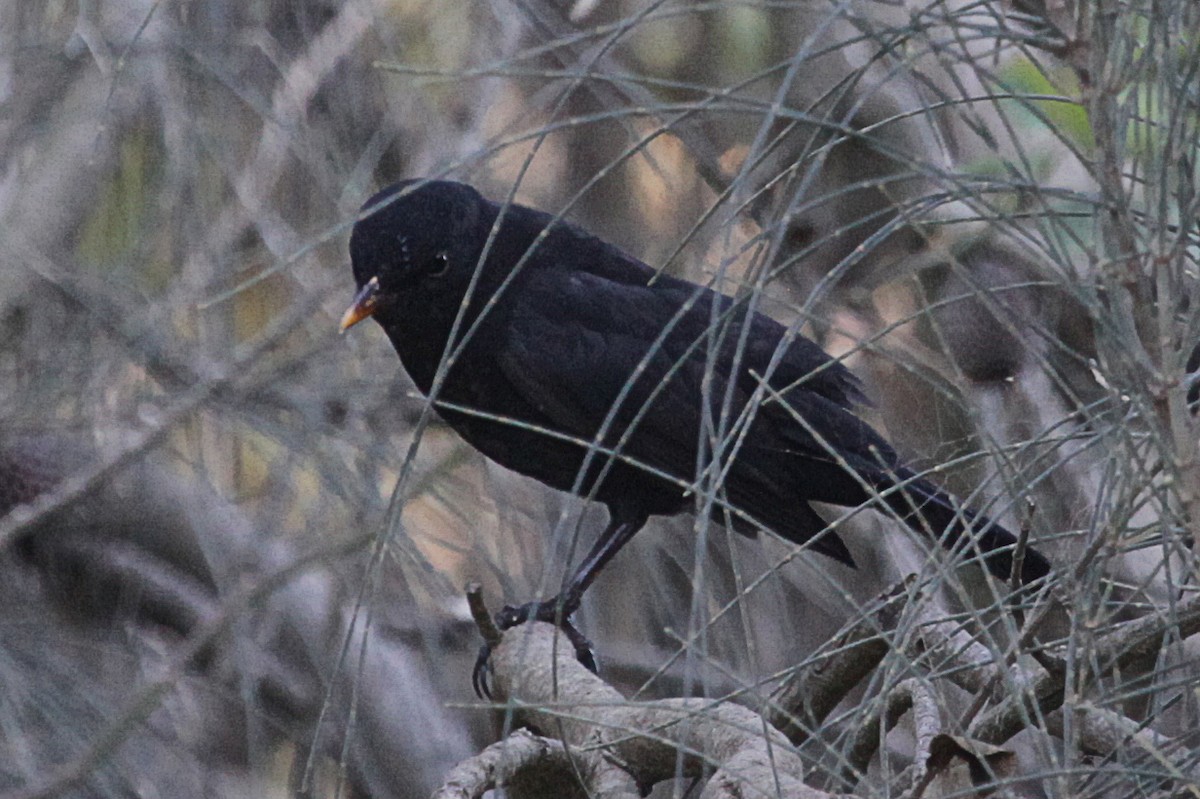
(572, 350)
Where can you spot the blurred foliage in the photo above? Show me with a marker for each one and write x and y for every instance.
(1025, 78)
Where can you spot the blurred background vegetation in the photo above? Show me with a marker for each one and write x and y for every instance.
(223, 576)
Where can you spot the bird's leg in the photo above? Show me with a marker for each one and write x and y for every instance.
(558, 609)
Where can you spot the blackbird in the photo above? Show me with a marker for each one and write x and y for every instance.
(561, 357)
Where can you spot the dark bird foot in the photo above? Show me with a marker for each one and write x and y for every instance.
(550, 611)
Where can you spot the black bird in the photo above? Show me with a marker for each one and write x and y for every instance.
(579, 365)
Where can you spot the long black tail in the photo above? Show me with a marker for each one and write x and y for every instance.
(927, 510)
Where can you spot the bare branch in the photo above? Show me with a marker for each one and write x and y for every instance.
(535, 670)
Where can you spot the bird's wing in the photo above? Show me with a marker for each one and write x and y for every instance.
(603, 267)
(577, 345)
(798, 361)
(802, 364)
(572, 343)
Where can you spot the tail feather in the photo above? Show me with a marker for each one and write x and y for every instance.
(928, 511)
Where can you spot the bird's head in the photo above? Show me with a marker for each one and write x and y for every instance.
(415, 241)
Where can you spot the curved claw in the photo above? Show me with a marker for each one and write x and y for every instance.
(585, 653)
(479, 674)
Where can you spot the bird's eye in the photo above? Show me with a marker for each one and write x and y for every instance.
(441, 262)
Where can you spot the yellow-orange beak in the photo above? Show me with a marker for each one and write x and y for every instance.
(364, 304)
